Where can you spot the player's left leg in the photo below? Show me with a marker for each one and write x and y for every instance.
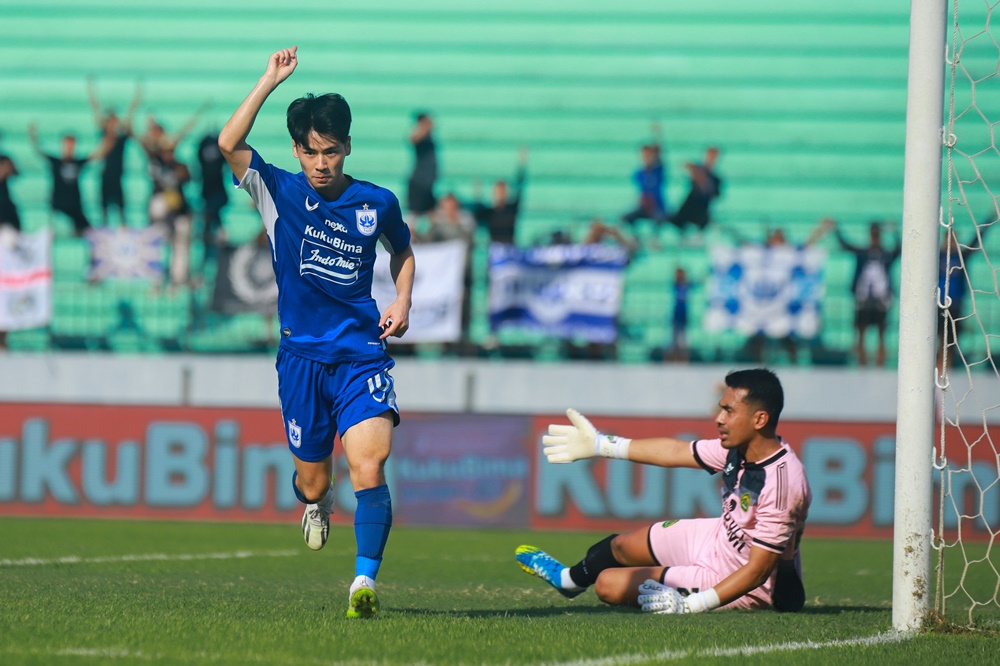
(620, 587)
(315, 480)
(619, 550)
(367, 445)
(614, 551)
(365, 408)
(309, 429)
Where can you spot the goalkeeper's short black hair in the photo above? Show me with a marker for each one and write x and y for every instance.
(763, 390)
(328, 114)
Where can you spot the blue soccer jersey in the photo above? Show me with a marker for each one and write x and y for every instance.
(323, 254)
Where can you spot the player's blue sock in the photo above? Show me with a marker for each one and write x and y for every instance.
(295, 488)
(372, 521)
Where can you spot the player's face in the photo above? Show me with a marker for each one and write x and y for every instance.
(737, 419)
(322, 160)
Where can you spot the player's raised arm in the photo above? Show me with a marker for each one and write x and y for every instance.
(566, 443)
(232, 138)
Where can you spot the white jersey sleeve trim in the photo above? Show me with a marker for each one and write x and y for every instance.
(262, 199)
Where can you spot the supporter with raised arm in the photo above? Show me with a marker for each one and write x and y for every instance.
(65, 170)
(500, 216)
(115, 134)
(872, 287)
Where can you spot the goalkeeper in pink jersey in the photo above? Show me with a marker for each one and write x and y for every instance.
(747, 558)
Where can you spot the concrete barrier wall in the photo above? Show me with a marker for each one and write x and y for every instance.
(486, 387)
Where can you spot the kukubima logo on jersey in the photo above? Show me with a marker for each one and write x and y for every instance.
(367, 220)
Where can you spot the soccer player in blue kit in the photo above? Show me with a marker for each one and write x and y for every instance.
(333, 369)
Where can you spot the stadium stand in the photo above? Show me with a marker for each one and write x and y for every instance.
(806, 100)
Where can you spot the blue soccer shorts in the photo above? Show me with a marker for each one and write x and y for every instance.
(320, 400)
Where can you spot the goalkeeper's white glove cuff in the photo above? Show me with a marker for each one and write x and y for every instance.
(611, 446)
(699, 602)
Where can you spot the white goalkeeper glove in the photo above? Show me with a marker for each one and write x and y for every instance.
(566, 443)
(655, 597)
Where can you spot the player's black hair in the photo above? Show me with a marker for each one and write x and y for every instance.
(763, 391)
(328, 114)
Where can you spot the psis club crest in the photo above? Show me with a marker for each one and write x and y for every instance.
(367, 220)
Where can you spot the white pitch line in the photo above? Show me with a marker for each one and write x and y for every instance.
(618, 660)
(744, 651)
(146, 557)
(107, 653)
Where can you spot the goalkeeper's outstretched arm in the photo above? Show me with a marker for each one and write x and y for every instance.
(566, 443)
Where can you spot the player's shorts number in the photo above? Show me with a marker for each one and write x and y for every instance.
(380, 387)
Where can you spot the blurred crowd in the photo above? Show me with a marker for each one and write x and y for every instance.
(436, 216)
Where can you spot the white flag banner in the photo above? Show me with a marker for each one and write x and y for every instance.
(125, 253)
(438, 290)
(25, 280)
(776, 291)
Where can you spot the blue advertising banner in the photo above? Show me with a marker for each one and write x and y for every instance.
(463, 470)
(468, 470)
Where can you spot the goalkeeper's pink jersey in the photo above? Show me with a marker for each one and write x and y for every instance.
(763, 504)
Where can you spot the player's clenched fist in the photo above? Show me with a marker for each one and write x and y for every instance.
(282, 63)
(566, 443)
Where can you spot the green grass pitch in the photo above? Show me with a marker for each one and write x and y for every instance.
(117, 592)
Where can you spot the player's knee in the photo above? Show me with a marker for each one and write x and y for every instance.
(628, 551)
(367, 473)
(618, 549)
(314, 487)
(609, 588)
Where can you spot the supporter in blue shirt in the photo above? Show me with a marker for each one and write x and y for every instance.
(650, 179)
(953, 282)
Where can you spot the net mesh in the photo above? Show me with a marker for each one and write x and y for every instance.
(967, 451)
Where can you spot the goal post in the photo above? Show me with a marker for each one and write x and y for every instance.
(912, 534)
(947, 482)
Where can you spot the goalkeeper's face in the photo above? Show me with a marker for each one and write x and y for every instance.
(737, 420)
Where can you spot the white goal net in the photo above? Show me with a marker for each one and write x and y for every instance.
(967, 450)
